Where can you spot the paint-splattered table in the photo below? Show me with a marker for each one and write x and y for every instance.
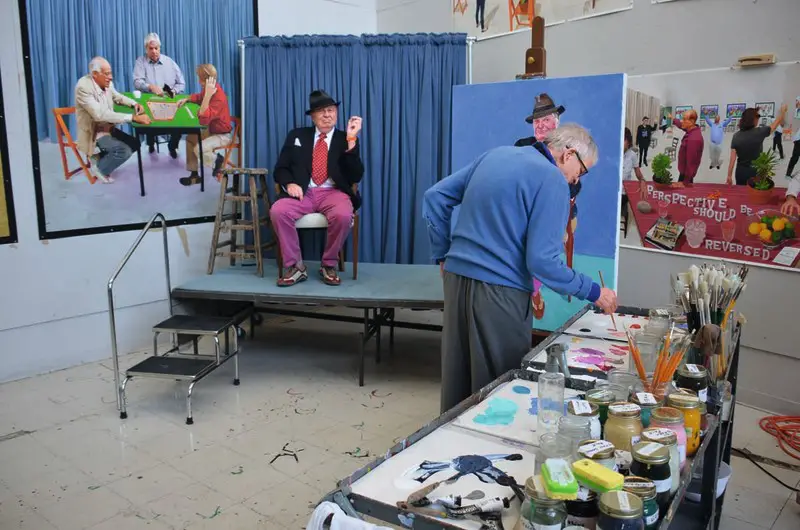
(488, 443)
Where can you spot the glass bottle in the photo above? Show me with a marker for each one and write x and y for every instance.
(601, 451)
(624, 425)
(689, 404)
(620, 510)
(651, 461)
(645, 490)
(551, 402)
(672, 419)
(585, 409)
(623, 378)
(577, 429)
(670, 440)
(538, 512)
(553, 445)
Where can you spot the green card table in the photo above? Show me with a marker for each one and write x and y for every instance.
(164, 120)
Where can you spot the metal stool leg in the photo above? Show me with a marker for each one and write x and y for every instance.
(123, 411)
(189, 419)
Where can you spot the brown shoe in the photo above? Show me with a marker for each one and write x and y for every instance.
(329, 275)
(292, 276)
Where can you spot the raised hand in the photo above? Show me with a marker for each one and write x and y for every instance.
(211, 86)
(354, 126)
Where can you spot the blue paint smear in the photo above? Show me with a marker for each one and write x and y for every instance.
(499, 411)
(534, 410)
(519, 389)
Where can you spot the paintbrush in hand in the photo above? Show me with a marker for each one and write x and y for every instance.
(603, 285)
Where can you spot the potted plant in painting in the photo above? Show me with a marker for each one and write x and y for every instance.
(661, 166)
(760, 187)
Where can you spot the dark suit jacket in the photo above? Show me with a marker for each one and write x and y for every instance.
(574, 189)
(294, 163)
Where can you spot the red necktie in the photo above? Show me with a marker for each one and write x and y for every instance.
(319, 163)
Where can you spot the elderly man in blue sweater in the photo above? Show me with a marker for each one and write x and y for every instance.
(717, 136)
(514, 204)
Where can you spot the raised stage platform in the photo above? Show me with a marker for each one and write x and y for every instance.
(379, 285)
(378, 291)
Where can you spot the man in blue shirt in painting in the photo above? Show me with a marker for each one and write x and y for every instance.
(514, 204)
(717, 131)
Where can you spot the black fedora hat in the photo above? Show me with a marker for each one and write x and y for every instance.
(319, 99)
(544, 106)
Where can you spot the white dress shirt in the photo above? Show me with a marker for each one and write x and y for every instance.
(328, 183)
(793, 188)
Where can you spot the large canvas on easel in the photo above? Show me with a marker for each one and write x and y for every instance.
(490, 115)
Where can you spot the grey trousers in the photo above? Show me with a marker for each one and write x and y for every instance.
(486, 332)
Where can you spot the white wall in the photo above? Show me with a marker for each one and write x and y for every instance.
(649, 38)
(53, 308)
(325, 17)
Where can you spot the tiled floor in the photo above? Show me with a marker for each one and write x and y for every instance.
(79, 467)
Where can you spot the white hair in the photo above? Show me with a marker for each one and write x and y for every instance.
(573, 136)
(96, 64)
(151, 37)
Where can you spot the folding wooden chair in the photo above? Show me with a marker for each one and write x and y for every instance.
(65, 140)
(236, 143)
(318, 221)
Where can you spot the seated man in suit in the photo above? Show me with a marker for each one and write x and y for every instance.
(316, 171)
(94, 110)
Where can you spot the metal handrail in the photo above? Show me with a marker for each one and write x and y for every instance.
(112, 320)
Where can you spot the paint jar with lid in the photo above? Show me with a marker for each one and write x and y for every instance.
(585, 409)
(538, 512)
(601, 397)
(624, 425)
(670, 440)
(620, 510)
(651, 460)
(647, 402)
(583, 511)
(645, 489)
(689, 404)
(672, 419)
(601, 451)
(693, 377)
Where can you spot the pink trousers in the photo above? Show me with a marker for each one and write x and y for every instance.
(334, 204)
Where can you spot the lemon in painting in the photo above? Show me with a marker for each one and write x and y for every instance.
(754, 229)
(778, 225)
(766, 235)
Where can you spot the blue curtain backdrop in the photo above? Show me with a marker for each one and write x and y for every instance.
(401, 85)
(66, 34)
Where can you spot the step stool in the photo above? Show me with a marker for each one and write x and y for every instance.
(257, 180)
(184, 367)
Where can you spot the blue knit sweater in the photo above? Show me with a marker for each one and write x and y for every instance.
(514, 205)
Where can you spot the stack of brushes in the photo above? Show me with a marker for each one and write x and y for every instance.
(665, 365)
(709, 293)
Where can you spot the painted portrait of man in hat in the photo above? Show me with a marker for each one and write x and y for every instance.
(545, 118)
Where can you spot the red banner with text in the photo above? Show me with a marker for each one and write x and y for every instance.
(729, 222)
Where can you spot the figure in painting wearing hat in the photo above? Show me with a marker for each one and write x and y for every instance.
(316, 170)
(545, 118)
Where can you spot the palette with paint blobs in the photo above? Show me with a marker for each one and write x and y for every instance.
(599, 326)
(589, 356)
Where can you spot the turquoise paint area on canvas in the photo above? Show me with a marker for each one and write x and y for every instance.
(556, 308)
(498, 411)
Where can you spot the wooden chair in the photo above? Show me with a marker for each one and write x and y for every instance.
(672, 150)
(236, 143)
(65, 140)
(316, 221)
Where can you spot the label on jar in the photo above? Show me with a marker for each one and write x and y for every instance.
(589, 450)
(649, 448)
(581, 407)
(637, 485)
(624, 505)
(703, 395)
(646, 398)
(693, 368)
(682, 452)
(651, 519)
(589, 523)
(627, 407)
(659, 434)
(689, 432)
(635, 440)
(663, 485)
(527, 525)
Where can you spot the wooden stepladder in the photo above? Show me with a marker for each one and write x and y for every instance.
(234, 221)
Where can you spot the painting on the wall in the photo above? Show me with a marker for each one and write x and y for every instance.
(8, 225)
(766, 110)
(491, 115)
(709, 111)
(680, 109)
(735, 110)
(797, 107)
(480, 18)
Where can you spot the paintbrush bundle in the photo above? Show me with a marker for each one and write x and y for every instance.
(669, 358)
(709, 293)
